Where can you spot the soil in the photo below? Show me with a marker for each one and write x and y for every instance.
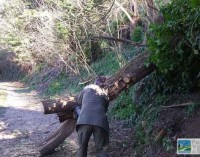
(23, 126)
(177, 122)
(182, 127)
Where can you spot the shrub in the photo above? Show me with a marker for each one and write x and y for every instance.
(175, 44)
(137, 34)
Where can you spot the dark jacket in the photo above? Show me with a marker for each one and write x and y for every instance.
(94, 103)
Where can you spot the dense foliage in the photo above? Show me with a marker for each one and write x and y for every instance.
(175, 44)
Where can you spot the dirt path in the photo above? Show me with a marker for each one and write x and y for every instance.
(23, 125)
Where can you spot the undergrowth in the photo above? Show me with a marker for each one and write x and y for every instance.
(107, 65)
(53, 83)
(124, 107)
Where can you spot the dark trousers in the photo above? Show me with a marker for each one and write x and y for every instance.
(101, 139)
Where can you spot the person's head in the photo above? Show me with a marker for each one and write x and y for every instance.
(100, 81)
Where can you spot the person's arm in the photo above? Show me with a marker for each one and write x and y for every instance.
(77, 108)
(79, 98)
(76, 111)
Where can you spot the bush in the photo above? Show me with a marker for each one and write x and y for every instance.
(137, 34)
(175, 44)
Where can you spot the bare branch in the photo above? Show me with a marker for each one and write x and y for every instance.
(119, 40)
(106, 13)
(124, 10)
(179, 105)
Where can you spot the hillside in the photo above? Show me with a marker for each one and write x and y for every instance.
(148, 50)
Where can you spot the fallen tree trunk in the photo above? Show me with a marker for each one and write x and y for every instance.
(50, 143)
(129, 75)
(59, 105)
(132, 73)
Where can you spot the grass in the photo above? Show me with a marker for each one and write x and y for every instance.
(63, 84)
(108, 65)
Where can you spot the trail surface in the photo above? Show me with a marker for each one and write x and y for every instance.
(23, 125)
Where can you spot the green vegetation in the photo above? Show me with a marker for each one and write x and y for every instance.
(137, 34)
(167, 144)
(107, 65)
(174, 45)
(124, 107)
(62, 43)
(192, 108)
(63, 83)
(195, 3)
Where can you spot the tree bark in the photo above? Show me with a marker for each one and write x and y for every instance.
(59, 105)
(152, 11)
(50, 143)
(135, 17)
(129, 75)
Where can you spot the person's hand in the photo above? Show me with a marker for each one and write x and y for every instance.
(76, 111)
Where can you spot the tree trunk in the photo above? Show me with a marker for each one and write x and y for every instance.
(132, 73)
(129, 75)
(50, 143)
(135, 18)
(152, 11)
(59, 105)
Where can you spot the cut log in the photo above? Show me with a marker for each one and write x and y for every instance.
(59, 105)
(50, 143)
(65, 115)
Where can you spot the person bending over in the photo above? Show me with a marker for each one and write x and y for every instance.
(92, 119)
